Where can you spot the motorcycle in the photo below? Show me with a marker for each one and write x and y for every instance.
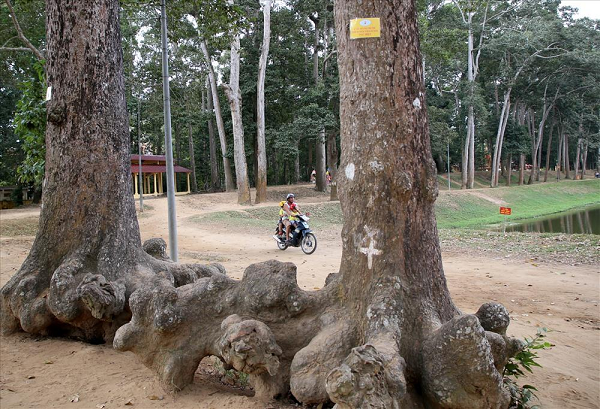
(302, 236)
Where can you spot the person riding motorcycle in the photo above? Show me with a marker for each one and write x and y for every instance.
(290, 218)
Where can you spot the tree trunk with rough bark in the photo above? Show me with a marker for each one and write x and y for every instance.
(87, 257)
(261, 177)
(382, 333)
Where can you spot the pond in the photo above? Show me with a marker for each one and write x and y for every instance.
(581, 221)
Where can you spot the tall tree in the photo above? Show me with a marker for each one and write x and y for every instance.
(261, 179)
(234, 96)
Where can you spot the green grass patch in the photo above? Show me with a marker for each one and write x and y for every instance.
(464, 210)
(19, 227)
(454, 209)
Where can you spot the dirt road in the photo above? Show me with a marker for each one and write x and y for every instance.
(50, 373)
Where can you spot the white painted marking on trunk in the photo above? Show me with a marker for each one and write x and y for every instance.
(417, 103)
(350, 171)
(371, 250)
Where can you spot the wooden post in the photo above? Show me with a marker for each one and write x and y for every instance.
(160, 184)
(135, 184)
(188, 180)
(155, 188)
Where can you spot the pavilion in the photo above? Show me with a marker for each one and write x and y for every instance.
(153, 167)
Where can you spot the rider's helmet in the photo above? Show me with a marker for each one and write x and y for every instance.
(290, 195)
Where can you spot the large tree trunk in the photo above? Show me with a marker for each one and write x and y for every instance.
(577, 159)
(261, 177)
(383, 332)
(229, 183)
(521, 169)
(235, 103)
(87, 257)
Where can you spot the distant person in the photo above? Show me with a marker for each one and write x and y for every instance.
(313, 176)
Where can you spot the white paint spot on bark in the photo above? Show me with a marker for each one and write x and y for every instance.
(350, 171)
(417, 103)
(376, 166)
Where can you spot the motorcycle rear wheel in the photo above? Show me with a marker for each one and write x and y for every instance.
(309, 243)
(282, 245)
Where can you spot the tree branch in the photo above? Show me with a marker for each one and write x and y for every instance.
(30, 46)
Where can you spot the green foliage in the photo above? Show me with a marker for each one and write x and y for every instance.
(30, 127)
(522, 397)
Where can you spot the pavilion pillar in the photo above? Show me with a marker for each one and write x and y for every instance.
(155, 188)
(188, 180)
(160, 184)
(135, 184)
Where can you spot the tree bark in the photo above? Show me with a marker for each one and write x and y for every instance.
(229, 183)
(566, 157)
(320, 149)
(87, 257)
(261, 179)
(235, 103)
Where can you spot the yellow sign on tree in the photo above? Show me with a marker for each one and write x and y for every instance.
(365, 28)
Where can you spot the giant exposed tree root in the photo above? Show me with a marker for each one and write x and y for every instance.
(284, 338)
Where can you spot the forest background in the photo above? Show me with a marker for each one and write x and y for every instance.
(511, 85)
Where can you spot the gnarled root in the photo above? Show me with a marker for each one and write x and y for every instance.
(463, 360)
(255, 325)
(365, 380)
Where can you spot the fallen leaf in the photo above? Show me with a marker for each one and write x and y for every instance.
(101, 405)
(31, 377)
(49, 362)
(129, 402)
(154, 397)
(75, 398)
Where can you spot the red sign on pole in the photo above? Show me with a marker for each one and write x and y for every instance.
(505, 210)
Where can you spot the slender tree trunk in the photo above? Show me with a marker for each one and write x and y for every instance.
(500, 137)
(235, 103)
(508, 179)
(584, 158)
(566, 157)
(332, 160)
(261, 176)
(192, 159)
(215, 180)
(229, 183)
(559, 160)
(577, 159)
(521, 169)
(549, 150)
(320, 149)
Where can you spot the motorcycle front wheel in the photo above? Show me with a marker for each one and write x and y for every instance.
(309, 243)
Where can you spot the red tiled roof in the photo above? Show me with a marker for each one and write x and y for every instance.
(158, 169)
(160, 158)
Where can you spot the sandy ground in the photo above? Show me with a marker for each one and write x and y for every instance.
(40, 372)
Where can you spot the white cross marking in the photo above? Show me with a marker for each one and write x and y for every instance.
(371, 250)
